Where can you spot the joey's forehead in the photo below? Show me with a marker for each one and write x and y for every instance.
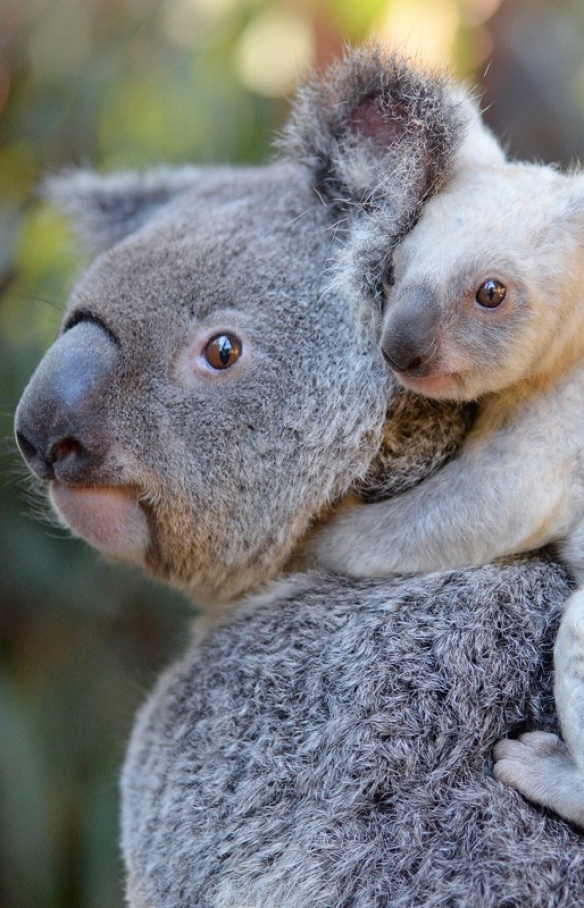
(475, 207)
(466, 228)
(508, 201)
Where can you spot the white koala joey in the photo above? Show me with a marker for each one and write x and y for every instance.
(484, 301)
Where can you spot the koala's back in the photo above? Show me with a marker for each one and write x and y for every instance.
(330, 747)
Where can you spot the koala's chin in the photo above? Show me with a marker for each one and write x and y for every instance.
(108, 518)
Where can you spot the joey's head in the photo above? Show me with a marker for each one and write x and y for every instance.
(214, 385)
(485, 290)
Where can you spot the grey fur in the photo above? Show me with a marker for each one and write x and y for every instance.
(325, 741)
(106, 209)
(380, 137)
(360, 123)
(330, 745)
(410, 449)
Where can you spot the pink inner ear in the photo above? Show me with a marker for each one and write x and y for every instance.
(385, 124)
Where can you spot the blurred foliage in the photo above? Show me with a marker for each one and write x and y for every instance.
(123, 83)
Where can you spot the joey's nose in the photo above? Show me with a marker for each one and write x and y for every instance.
(60, 419)
(411, 328)
(404, 358)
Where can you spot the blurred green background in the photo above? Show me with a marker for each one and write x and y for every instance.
(124, 83)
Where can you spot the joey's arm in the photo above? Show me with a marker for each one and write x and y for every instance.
(489, 502)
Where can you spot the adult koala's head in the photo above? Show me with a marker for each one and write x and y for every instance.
(217, 380)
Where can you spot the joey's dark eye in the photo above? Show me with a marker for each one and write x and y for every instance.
(223, 351)
(491, 294)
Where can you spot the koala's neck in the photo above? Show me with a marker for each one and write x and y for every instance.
(215, 609)
(236, 583)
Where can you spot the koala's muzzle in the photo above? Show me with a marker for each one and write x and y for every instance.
(59, 422)
(410, 330)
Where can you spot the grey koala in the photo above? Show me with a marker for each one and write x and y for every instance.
(484, 302)
(217, 385)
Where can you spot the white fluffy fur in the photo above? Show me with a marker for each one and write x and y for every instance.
(518, 482)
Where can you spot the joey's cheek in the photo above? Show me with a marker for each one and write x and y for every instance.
(110, 519)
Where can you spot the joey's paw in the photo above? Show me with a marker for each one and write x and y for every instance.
(333, 544)
(539, 765)
(515, 756)
(325, 547)
(303, 558)
(349, 541)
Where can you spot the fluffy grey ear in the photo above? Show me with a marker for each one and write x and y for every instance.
(105, 209)
(374, 129)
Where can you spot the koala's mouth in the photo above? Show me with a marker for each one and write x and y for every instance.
(110, 518)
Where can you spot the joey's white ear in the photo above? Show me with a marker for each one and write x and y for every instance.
(560, 205)
(376, 130)
(574, 212)
(480, 147)
(104, 209)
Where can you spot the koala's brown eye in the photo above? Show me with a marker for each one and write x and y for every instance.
(491, 294)
(223, 351)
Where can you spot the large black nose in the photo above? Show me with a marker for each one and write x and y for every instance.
(59, 422)
(411, 329)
